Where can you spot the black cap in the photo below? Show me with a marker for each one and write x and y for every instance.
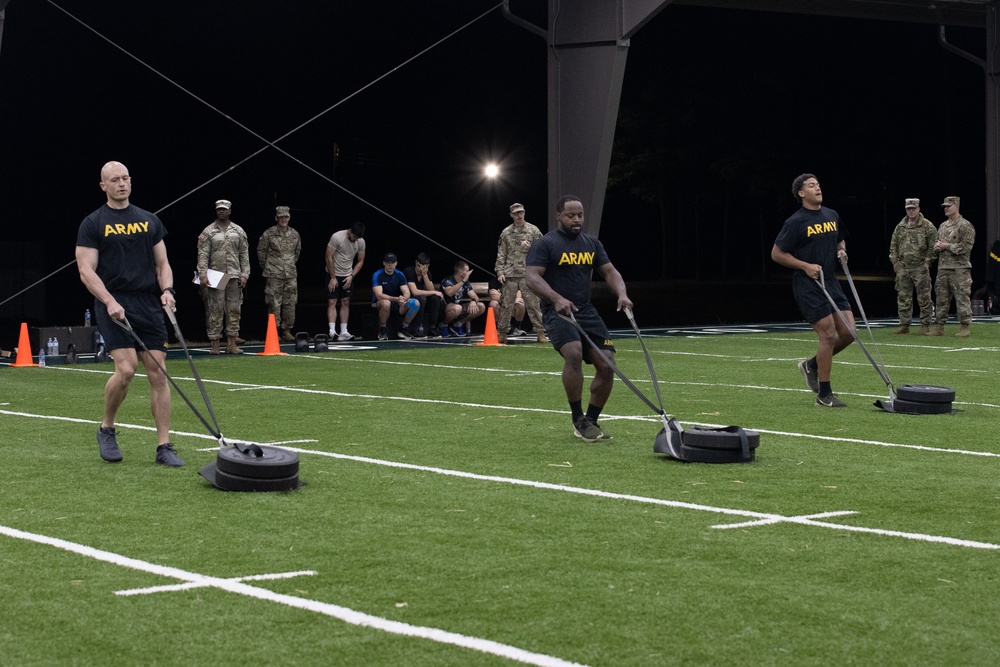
(390, 257)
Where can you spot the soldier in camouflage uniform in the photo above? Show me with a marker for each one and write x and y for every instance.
(911, 252)
(956, 236)
(223, 246)
(278, 250)
(512, 249)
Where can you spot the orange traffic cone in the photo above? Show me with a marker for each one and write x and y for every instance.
(271, 346)
(490, 336)
(23, 349)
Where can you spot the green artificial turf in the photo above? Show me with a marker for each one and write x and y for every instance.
(445, 490)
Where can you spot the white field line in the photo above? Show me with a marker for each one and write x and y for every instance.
(201, 584)
(509, 408)
(759, 518)
(243, 386)
(941, 348)
(771, 518)
(513, 372)
(335, 611)
(140, 427)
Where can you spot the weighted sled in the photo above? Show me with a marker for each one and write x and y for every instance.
(227, 482)
(918, 408)
(709, 455)
(731, 444)
(925, 393)
(258, 462)
(710, 438)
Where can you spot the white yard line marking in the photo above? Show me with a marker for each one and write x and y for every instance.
(767, 522)
(243, 386)
(606, 416)
(201, 584)
(344, 614)
(757, 516)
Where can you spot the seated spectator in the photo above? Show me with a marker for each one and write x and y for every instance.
(421, 285)
(516, 313)
(458, 313)
(389, 289)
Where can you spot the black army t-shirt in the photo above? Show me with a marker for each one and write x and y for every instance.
(569, 263)
(124, 239)
(812, 236)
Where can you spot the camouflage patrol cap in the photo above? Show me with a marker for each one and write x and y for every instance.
(223, 203)
(514, 208)
(912, 203)
(948, 201)
(281, 212)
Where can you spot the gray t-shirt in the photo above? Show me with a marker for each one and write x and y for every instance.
(344, 252)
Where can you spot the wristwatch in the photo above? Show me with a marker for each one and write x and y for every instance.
(169, 289)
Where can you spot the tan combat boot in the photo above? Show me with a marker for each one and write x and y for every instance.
(939, 330)
(502, 338)
(215, 346)
(925, 330)
(903, 329)
(963, 331)
(287, 336)
(542, 338)
(231, 348)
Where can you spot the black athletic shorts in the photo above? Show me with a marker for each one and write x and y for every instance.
(340, 292)
(561, 332)
(811, 301)
(143, 312)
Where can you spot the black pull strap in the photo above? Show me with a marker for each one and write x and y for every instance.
(628, 383)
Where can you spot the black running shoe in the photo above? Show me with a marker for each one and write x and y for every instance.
(166, 456)
(586, 430)
(811, 375)
(830, 401)
(382, 334)
(109, 445)
(404, 332)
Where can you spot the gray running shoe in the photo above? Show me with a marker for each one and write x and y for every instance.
(830, 401)
(166, 456)
(517, 331)
(812, 376)
(586, 430)
(109, 445)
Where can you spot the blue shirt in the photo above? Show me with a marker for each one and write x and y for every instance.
(391, 284)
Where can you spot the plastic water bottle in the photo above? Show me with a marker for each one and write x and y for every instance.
(55, 345)
(41, 357)
(86, 318)
(48, 346)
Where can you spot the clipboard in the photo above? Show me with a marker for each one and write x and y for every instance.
(216, 279)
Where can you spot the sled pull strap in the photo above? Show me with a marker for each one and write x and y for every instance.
(857, 339)
(628, 383)
(649, 361)
(744, 441)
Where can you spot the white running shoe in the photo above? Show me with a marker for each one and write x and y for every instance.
(346, 336)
